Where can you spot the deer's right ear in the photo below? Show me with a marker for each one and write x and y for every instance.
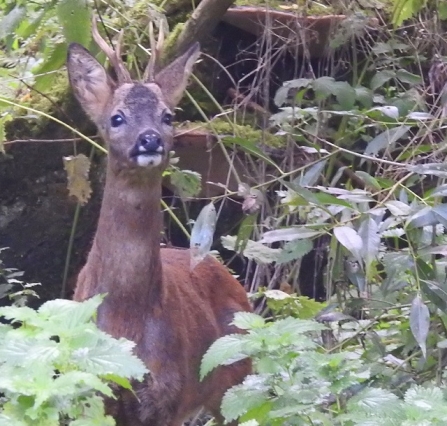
(89, 80)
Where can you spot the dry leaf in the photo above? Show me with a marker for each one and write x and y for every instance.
(77, 168)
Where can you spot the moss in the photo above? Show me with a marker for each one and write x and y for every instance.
(243, 131)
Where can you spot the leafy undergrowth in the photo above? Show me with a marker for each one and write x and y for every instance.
(296, 382)
(55, 364)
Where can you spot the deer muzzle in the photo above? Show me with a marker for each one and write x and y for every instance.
(149, 151)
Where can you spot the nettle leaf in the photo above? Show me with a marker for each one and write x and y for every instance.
(420, 323)
(369, 233)
(294, 250)
(74, 15)
(350, 239)
(386, 139)
(68, 314)
(224, 351)
(248, 320)
(16, 313)
(187, 182)
(240, 399)
(109, 356)
(380, 78)
(324, 87)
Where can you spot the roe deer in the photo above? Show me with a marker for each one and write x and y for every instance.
(153, 298)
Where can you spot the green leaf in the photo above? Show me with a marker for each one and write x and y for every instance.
(248, 320)
(369, 233)
(283, 92)
(312, 174)
(253, 250)
(386, 139)
(350, 239)
(422, 217)
(434, 169)
(226, 350)
(74, 15)
(29, 28)
(364, 96)
(11, 21)
(54, 60)
(442, 11)
(369, 180)
(68, 314)
(250, 147)
(242, 398)
(294, 250)
(324, 87)
(345, 94)
(3, 120)
(119, 380)
(405, 9)
(380, 78)
(407, 77)
(187, 182)
(420, 323)
(289, 234)
(109, 356)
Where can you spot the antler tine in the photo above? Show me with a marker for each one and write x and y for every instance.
(114, 56)
(149, 73)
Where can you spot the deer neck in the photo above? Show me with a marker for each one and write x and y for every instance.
(128, 241)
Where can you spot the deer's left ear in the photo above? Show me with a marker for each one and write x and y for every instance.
(174, 78)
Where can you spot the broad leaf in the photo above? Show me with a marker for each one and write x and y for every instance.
(369, 233)
(420, 323)
(386, 139)
(74, 15)
(226, 350)
(350, 239)
(202, 234)
(288, 234)
(294, 250)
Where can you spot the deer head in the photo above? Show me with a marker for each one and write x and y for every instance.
(134, 118)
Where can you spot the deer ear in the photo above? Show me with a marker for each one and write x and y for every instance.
(89, 80)
(174, 78)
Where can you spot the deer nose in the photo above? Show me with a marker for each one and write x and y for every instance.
(151, 142)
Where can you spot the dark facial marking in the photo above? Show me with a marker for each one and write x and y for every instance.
(140, 98)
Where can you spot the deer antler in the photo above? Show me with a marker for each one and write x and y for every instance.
(156, 50)
(114, 56)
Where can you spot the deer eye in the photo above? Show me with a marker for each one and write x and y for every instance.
(117, 120)
(167, 119)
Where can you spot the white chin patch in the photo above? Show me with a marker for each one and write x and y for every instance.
(152, 160)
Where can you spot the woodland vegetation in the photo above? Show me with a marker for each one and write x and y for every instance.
(332, 211)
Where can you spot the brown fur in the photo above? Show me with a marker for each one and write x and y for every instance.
(153, 298)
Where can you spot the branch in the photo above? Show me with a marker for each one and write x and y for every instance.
(202, 22)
